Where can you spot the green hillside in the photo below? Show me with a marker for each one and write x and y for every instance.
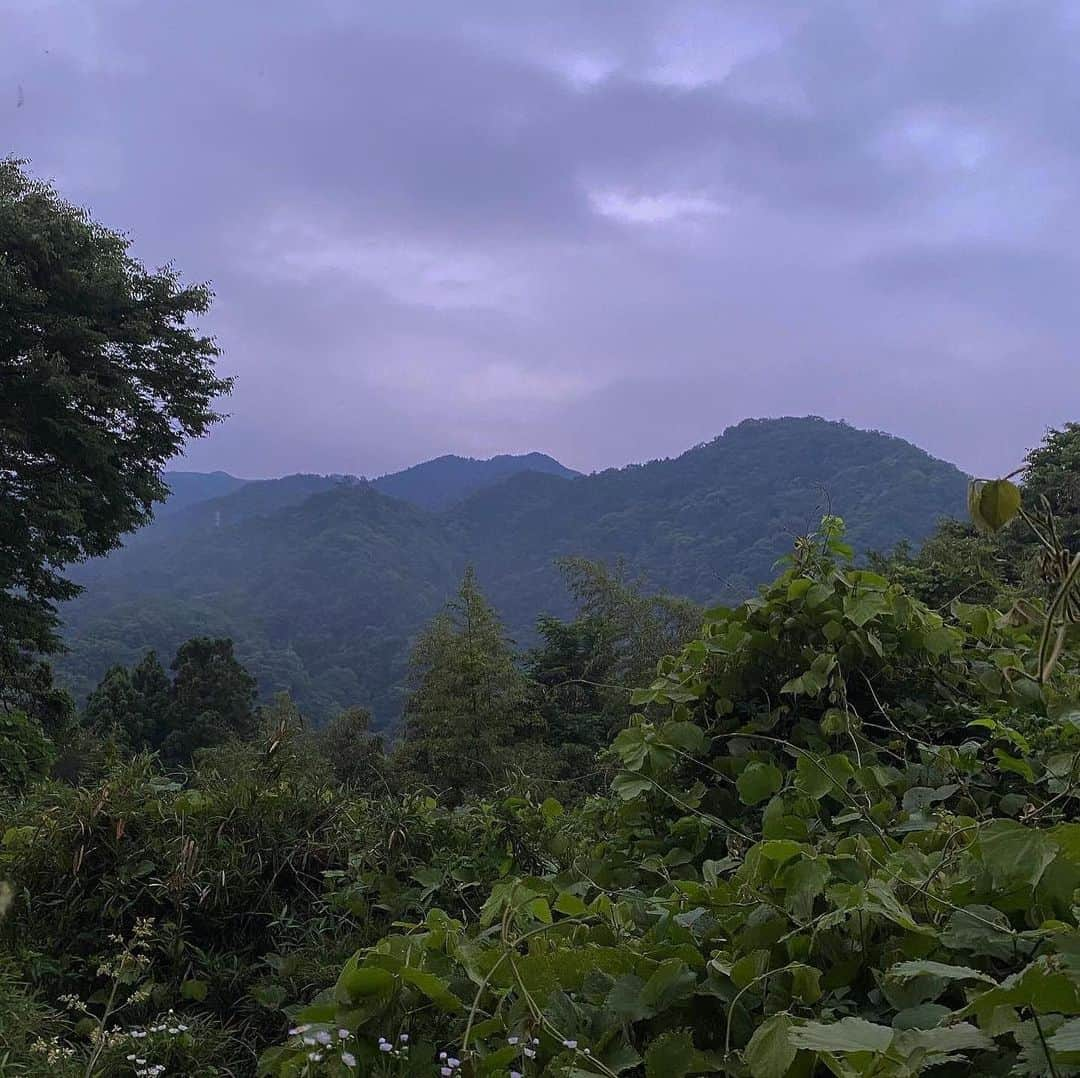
(323, 581)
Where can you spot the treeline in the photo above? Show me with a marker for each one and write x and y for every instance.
(478, 714)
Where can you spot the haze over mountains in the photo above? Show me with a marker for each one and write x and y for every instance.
(322, 581)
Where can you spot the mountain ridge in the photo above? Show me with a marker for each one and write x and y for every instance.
(323, 594)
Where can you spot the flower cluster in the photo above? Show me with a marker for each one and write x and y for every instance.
(320, 1042)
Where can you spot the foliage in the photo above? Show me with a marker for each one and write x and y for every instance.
(210, 699)
(468, 723)
(324, 590)
(831, 846)
(104, 380)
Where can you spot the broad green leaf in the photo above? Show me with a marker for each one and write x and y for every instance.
(992, 503)
(431, 986)
(672, 982)
(758, 782)
(569, 904)
(803, 881)
(771, 1051)
(906, 970)
(1067, 1037)
(1014, 855)
(847, 1035)
(359, 982)
(687, 736)
(625, 1002)
(805, 983)
(670, 1055)
(780, 849)
(628, 787)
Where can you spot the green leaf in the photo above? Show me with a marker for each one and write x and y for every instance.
(758, 782)
(431, 986)
(780, 849)
(569, 904)
(906, 970)
(803, 881)
(624, 1000)
(194, 990)
(551, 808)
(539, 909)
(362, 982)
(992, 503)
(1014, 855)
(627, 787)
(771, 1051)
(805, 983)
(1067, 1037)
(670, 1055)
(684, 735)
(980, 930)
(847, 1035)
(672, 982)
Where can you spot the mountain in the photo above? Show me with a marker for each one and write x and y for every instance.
(439, 483)
(187, 488)
(323, 581)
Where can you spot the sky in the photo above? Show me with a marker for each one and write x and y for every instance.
(603, 230)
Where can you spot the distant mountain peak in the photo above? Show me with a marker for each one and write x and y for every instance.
(444, 481)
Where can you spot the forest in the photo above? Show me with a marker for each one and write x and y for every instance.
(826, 827)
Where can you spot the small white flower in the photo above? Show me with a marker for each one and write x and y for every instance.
(515, 1074)
(530, 1052)
(384, 1047)
(323, 1037)
(442, 1055)
(348, 1059)
(454, 1062)
(512, 1040)
(344, 1034)
(315, 1057)
(569, 1044)
(310, 1041)
(446, 1071)
(404, 1038)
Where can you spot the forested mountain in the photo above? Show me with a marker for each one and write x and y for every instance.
(322, 581)
(439, 483)
(187, 488)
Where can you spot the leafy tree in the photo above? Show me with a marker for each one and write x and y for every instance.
(212, 699)
(1052, 471)
(354, 753)
(469, 716)
(103, 382)
(586, 668)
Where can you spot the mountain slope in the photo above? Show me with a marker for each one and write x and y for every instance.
(323, 595)
(187, 488)
(441, 482)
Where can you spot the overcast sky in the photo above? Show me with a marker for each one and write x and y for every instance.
(605, 229)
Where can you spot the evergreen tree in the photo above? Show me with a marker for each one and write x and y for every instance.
(469, 715)
(211, 701)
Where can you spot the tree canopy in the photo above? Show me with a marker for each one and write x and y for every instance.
(103, 380)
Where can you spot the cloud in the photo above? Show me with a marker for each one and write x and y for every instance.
(605, 231)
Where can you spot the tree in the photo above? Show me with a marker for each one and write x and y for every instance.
(469, 714)
(104, 380)
(354, 753)
(585, 669)
(212, 699)
(131, 706)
